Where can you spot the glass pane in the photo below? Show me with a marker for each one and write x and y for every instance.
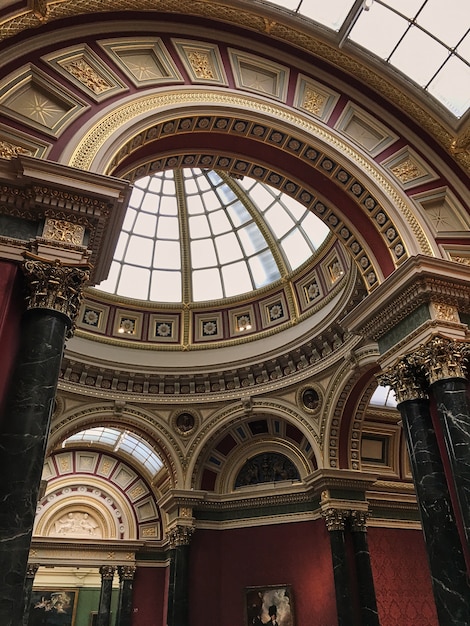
(199, 227)
(134, 282)
(207, 285)
(252, 239)
(203, 253)
(419, 56)
(228, 248)
(370, 33)
(279, 221)
(167, 255)
(219, 222)
(331, 13)
(166, 286)
(296, 249)
(140, 251)
(409, 8)
(168, 228)
(316, 230)
(236, 279)
(238, 214)
(264, 269)
(452, 86)
(286, 4)
(121, 246)
(109, 285)
(448, 22)
(145, 224)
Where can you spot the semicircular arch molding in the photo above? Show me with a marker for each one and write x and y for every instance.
(142, 423)
(227, 478)
(234, 426)
(370, 204)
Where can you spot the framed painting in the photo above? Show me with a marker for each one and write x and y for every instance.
(271, 605)
(53, 607)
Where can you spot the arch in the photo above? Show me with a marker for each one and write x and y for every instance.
(228, 435)
(143, 423)
(268, 141)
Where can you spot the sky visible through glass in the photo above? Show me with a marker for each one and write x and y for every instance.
(120, 440)
(427, 40)
(198, 235)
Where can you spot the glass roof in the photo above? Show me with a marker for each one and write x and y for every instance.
(123, 440)
(383, 396)
(199, 235)
(427, 40)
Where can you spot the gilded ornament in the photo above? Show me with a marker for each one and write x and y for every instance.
(313, 101)
(407, 171)
(335, 519)
(180, 536)
(63, 231)
(9, 150)
(87, 75)
(200, 62)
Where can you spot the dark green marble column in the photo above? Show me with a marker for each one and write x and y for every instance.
(28, 589)
(444, 549)
(178, 588)
(53, 301)
(104, 609)
(365, 580)
(335, 522)
(124, 611)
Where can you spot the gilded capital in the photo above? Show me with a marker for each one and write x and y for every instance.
(55, 286)
(126, 572)
(443, 358)
(107, 572)
(406, 378)
(358, 521)
(180, 536)
(335, 519)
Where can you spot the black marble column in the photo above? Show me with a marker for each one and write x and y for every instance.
(24, 424)
(335, 522)
(453, 410)
(443, 363)
(178, 588)
(445, 555)
(365, 580)
(124, 611)
(104, 609)
(28, 589)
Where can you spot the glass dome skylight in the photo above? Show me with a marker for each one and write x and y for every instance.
(117, 440)
(199, 235)
(427, 40)
(383, 396)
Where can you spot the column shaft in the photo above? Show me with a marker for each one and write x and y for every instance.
(23, 436)
(447, 564)
(367, 598)
(341, 578)
(178, 590)
(126, 580)
(453, 410)
(104, 608)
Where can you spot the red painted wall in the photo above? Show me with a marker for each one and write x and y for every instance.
(11, 309)
(401, 577)
(224, 563)
(149, 600)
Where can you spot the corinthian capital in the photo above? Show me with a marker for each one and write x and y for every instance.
(406, 378)
(107, 572)
(126, 572)
(335, 519)
(443, 358)
(180, 536)
(55, 286)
